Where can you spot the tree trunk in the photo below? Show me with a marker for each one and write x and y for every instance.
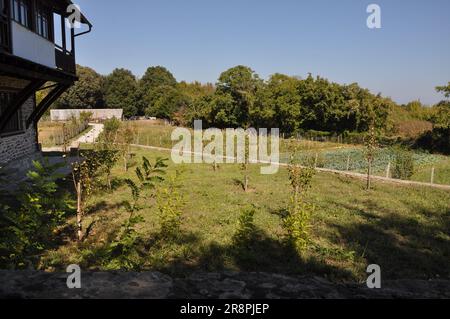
(79, 213)
(369, 173)
(125, 163)
(246, 183)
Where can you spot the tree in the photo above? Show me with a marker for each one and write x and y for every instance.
(371, 144)
(278, 104)
(235, 96)
(84, 172)
(298, 213)
(126, 136)
(121, 91)
(86, 93)
(165, 101)
(153, 79)
(445, 89)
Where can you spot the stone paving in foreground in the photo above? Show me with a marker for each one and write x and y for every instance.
(154, 285)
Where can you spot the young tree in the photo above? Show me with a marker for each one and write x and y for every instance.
(371, 145)
(122, 249)
(246, 164)
(84, 172)
(296, 220)
(127, 135)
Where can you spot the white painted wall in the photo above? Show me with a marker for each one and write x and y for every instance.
(30, 46)
(97, 114)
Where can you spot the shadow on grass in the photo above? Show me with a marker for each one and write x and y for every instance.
(409, 246)
(257, 252)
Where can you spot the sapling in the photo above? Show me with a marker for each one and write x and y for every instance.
(84, 172)
(296, 220)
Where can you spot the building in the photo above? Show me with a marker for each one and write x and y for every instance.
(37, 51)
(96, 114)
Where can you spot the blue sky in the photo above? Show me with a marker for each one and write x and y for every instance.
(199, 39)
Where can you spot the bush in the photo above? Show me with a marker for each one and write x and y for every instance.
(246, 227)
(437, 140)
(170, 204)
(28, 226)
(403, 164)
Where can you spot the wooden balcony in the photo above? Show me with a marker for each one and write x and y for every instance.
(65, 60)
(5, 34)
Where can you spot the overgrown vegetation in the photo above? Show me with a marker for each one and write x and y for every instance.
(403, 164)
(298, 213)
(28, 222)
(123, 250)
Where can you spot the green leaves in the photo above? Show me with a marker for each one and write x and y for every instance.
(28, 227)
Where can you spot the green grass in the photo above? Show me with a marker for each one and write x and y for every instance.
(151, 134)
(330, 155)
(403, 229)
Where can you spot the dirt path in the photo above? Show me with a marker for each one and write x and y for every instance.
(89, 137)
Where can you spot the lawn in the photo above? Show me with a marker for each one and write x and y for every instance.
(152, 133)
(403, 229)
(330, 155)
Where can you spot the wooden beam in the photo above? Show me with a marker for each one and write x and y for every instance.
(21, 97)
(46, 103)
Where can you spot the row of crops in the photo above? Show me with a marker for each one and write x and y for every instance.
(354, 159)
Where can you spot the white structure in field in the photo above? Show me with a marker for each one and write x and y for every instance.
(97, 114)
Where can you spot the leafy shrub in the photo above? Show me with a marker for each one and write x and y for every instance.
(246, 227)
(403, 164)
(296, 220)
(28, 227)
(296, 223)
(122, 252)
(170, 203)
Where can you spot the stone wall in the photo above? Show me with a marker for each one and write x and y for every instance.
(20, 145)
(151, 285)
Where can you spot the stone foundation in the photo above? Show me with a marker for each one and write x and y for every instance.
(20, 145)
(154, 285)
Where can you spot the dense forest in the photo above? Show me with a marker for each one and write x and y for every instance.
(240, 98)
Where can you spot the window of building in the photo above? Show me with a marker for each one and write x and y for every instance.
(15, 124)
(21, 11)
(43, 22)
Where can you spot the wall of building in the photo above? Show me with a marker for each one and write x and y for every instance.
(30, 46)
(20, 145)
(97, 114)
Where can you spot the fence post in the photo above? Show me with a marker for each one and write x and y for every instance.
(348, 163)
(432, 176)
(388, 170)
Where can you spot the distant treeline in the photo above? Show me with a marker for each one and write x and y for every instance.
(240, 98)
